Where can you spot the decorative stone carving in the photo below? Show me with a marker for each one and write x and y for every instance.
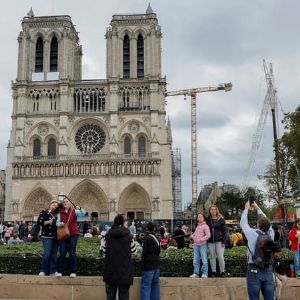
(106, 120)
(113, 140)
(43, 129)
(145, 120)
(15, 206)
(134, 127)
(71, 118)
(19, 142)
(63, 141)
(56, 122)
(122, 120)
(155, 204)
(112, 205)
(29, 123)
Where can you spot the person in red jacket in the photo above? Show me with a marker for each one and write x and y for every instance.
(294, 238)
(69, 215)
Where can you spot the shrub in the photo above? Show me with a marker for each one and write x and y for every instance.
(25, 258)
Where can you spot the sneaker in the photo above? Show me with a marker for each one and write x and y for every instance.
(54, 274)
(194, 276)
(42, 274)
(213, 274)
(204, 276)
(298, 276)
(57, 274)
(72, 275)
(223, 275)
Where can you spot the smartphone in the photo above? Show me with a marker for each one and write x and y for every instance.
(251, 200)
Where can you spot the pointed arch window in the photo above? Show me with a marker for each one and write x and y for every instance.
(52, 148)
(126, 57)
(142, 145)
(39, 55)
(54, 55)
(36, 148)
(140, 56)
(127, 145)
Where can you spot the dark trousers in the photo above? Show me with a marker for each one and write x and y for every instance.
(111, 292)
(65, 246)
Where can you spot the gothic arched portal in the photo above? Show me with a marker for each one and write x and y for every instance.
(92, 198)
(34, 203)
(135, 203)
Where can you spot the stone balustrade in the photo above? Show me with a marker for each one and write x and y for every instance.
(82, 166)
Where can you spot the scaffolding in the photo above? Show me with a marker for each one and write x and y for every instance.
(176, 180)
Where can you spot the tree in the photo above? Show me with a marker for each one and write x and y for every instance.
(236, 201)
(288, 154)
(291, 142)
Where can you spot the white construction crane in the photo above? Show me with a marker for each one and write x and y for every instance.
(193, 93)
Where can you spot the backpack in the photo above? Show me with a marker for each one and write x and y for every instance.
(263, 255)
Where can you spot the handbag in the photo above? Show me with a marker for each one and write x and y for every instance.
(63, 231)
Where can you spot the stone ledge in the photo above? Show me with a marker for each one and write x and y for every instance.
(93, 288)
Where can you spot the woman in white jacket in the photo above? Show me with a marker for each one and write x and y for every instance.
(200, 237)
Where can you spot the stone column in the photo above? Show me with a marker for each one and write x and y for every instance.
(133, 57)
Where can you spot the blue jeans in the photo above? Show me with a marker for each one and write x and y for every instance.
(150, 289)
(68, 245)
(296, 255)
(260, 280)
(48, 264)
(111, 292)
(200, 252)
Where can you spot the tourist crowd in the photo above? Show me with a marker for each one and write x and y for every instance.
(210, 236)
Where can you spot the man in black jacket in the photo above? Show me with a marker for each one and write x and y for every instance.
(118, 246)
(178, 236)
(150, 289)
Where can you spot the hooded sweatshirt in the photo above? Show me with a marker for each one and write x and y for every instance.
(201, 234)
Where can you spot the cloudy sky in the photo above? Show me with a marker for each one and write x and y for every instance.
(204, 43)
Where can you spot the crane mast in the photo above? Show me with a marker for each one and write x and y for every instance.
(193, 93)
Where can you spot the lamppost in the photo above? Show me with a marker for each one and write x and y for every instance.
(297, 206)
(286, 200)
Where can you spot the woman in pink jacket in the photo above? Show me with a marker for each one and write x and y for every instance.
(200, 236)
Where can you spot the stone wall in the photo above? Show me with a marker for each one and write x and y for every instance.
(93, 288)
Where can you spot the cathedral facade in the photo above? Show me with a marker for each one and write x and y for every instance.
(103, 142)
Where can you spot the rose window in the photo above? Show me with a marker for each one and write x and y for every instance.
(90, 138)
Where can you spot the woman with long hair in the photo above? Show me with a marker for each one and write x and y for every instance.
(46, 221)
(217, 240)
(200, 237)
(69, 215)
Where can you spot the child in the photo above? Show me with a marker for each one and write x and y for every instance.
(200, 236)
(164, 241)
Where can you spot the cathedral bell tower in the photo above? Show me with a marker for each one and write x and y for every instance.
(48, 49)
(134, 46)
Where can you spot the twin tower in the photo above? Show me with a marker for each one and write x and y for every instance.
(103, 142)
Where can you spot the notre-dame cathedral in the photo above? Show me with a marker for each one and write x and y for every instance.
(105, 143)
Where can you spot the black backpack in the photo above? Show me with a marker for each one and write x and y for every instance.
(264, 248)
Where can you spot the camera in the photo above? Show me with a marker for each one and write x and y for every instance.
(61, 196)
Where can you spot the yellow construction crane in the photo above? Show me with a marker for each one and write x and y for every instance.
(193, 93)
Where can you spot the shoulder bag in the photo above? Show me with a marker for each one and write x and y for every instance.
(63, 231)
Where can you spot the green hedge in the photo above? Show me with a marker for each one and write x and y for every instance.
(25, 258)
